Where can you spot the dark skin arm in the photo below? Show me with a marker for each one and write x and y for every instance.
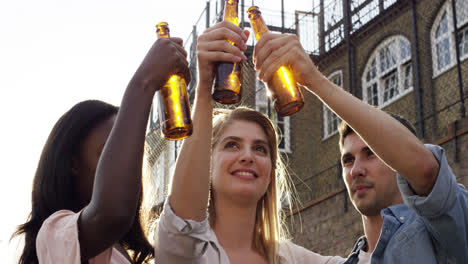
(117, 184)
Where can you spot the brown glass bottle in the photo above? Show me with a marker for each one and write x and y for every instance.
(286, 95)
(227, 87)
(174, 108)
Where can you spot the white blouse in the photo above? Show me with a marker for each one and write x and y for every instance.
(186, 241)
(57, 242)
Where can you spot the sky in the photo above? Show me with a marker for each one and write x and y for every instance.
(56, 53)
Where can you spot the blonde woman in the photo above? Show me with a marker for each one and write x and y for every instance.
(224, 202)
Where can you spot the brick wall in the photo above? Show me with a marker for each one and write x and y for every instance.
(327, 222)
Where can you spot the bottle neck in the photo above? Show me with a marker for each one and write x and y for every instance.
(163, 34)
(259, 26)
(231, 12)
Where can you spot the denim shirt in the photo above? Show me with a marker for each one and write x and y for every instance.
(425, 229)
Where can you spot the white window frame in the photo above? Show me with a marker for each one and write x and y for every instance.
(261, 105)
(463, 42)
(462, 25)
(328, 115)
(261, 95)
(462, 15)
(286, 133)
(446, 9)
(396, 45)
(408, 67)
(390, 86)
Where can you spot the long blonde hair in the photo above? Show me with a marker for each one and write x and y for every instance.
(269, 227)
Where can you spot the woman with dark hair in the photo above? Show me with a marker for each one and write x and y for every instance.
(87, 191)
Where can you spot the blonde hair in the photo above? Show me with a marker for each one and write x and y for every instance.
(269, 221)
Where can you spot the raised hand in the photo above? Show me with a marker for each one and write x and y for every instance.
(276, 50)
(212, 47)
(165, 58)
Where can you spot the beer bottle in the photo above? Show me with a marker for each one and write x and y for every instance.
(228, 76)
(287, 96)
(174, 108)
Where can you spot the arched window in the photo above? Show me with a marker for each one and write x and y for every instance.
(443, 37)
(388, 74)
(330, 120)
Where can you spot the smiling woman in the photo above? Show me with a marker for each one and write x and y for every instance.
(249, 137)
(247, 178)
(224, 206)
(247, 174)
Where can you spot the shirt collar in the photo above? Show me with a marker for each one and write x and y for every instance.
(400, 211)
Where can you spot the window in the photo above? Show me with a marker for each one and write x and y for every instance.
(363, 11)
(444, 58)
(372, 94)
(463, 42)
(462, 13)
(405, 50)
(282, 126)
(443, 39)
(262, 104)
(391, 87)
(330, 120)
(388, 74)
(408, 77)
(261, 96)
(160, 178)
(387, 56)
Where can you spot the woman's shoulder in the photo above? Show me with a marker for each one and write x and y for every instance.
(57, 237)
(58, 242)
(292, 253)
(58, 222)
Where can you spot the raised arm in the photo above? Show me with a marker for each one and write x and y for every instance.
(117, 184)
(191, 182)
(387, 138)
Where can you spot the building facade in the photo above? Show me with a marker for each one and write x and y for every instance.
(402, 60)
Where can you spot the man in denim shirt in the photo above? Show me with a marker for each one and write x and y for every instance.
(425, 221)
(413, 211)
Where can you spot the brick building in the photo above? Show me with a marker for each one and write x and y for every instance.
(396, 54)
(403, 60)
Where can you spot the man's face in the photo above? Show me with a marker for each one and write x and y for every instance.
(371, 183)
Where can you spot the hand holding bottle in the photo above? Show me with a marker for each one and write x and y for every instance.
(166, 57)
(274, 50)
(281, 81)
(212, 47)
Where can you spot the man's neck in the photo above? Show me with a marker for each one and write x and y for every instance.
(372, 229)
